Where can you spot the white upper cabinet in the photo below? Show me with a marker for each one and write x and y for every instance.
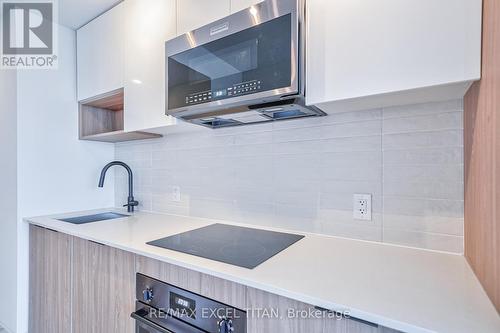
(149, 24)
(100, 54)
(237, 5)
(365, 53)
(192, 14)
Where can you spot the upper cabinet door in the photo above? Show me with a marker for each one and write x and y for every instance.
(237, 5)
(100, 53)
(149, 25)
(192, 14)
(364, 51)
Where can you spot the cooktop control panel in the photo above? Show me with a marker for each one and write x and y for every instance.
(171, 309)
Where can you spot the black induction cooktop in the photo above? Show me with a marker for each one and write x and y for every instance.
(244, 247)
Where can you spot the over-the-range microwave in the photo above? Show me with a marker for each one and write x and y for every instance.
(246, 68)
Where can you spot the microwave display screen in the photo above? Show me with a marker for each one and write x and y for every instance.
(253, 60)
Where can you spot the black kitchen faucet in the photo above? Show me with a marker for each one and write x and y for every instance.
(131, 203)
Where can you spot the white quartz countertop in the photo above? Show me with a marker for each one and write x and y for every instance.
(406, 289)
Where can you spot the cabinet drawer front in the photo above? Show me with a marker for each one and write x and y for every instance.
(223, 291)
(273, 313)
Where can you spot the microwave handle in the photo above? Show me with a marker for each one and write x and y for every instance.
(146, 322)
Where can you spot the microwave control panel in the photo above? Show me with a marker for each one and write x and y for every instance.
(239, 89)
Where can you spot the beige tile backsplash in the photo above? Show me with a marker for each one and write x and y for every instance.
(302, 174)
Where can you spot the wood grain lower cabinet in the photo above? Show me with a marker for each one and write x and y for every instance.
(78, 286)
(49, 281)
(272, 313)
(269, 313)
(103, 288)
(175, 275)
(224, 291)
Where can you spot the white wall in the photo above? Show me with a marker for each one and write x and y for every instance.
(8, 199)
(302, 174)
(56, 172)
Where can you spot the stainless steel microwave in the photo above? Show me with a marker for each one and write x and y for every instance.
(246, 68)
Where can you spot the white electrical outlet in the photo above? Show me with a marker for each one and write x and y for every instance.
(362, 207)
(176, 193)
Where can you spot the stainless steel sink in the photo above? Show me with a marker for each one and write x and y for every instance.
(93, 218)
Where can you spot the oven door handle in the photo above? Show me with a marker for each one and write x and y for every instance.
(146, 322)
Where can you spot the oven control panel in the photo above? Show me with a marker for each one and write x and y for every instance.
(235, 90)
(171, 306)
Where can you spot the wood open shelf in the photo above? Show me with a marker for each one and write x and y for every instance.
(101, 119)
